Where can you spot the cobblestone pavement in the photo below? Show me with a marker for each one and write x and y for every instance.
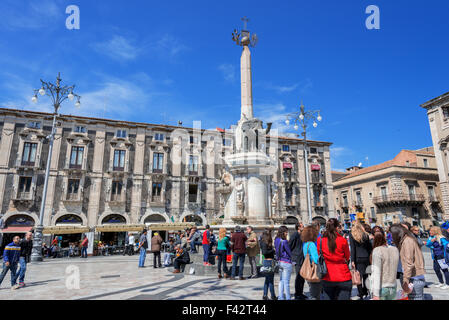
(117, 277)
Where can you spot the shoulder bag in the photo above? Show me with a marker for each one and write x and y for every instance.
(309, 269)
(321, 266)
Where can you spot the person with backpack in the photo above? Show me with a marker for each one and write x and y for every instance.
(309, 238)
(337, 283)
(206, 246)
(284, 256)
(438, 246)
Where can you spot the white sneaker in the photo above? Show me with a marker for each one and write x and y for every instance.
(444, 287)
(17, 287)
(439, 285)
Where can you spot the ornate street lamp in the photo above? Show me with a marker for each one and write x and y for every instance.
(58, 94)
(303, 118)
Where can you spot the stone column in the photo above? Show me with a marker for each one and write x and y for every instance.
(139, 155)
(246, 85)
(329, 185)
(302, 185)
(50, 200)
(96, 178)
(6, 146)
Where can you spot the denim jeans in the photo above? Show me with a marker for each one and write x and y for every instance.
(23, 269)
(418, 289)
(222, 261)
(388, 293)
(269, 280)
(284, 282)
(167, 258)
(315, 290)
(13, 268)
(235, 258)
(84, 252)
(438, 270)
(194, 246)
(143, 254)
(205, 253)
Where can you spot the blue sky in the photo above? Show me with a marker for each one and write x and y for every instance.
(164, 61)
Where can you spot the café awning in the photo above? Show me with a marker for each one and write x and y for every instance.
(119, 227)
(170, 226)
(65, 230)
(16, 229)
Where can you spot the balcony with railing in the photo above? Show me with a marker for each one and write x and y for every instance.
(344, 203)
(24, 196)
(433, 198)
(317, 178)
(387, 200)
(358, 203)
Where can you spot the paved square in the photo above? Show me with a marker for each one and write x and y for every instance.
(118, 278)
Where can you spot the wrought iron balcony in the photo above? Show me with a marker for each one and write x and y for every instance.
(433, 198)
(399, 199)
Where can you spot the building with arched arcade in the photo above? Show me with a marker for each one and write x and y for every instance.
(109, 174)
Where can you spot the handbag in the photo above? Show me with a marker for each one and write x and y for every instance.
(309, 269)
(277, 264)
(356, 279)
(267, 270)
(321, 266)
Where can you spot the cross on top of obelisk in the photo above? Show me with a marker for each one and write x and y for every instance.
(244, 38)
(245, 22)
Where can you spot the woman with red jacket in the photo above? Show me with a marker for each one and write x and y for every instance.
(337, 283)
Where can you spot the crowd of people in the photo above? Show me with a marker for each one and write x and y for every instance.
(373, 260)
(331, 260)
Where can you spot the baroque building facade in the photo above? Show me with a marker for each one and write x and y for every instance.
(405, 188)
(106, 172)
(438, 116)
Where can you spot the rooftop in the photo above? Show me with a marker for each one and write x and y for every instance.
(112, 122)
(401, 159)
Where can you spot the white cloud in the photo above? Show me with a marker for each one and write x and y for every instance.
(302, 87)
(167, 45)
(228, 71)
(112, 98)
(339, 156)
(274, 113)
(29, 14)
(118, 48)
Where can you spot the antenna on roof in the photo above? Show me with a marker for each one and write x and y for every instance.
(360, 164)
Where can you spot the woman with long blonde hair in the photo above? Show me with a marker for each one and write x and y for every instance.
(437, 244)
(361, 249)
(222, 248)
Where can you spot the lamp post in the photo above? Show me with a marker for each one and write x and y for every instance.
(303, 118)
(58, 94)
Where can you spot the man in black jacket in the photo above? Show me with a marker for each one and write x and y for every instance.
(26, 246)
(295, 244)
(182, 258)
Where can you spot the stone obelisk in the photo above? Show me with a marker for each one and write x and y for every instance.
(247, 190)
